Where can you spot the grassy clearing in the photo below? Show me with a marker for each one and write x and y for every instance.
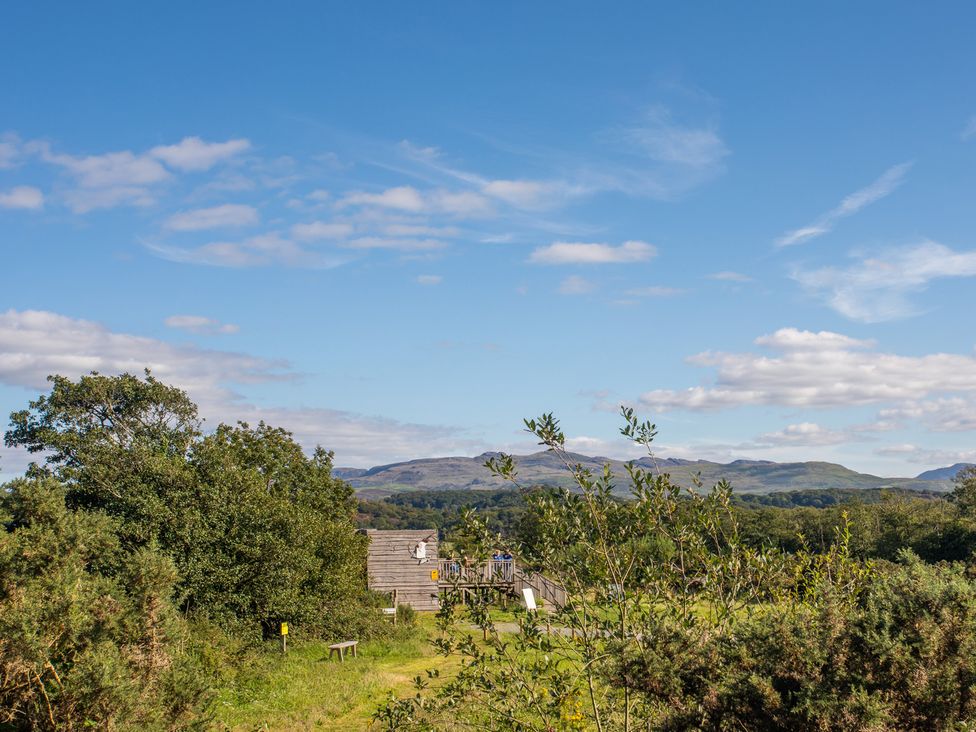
(306, 691)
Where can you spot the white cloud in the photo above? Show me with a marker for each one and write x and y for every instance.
(575, 285)
(194, 154)
(228, 215)
(317, 230)
(257, 251)
(791, 339)
(880, 188)
(583, 253)
(34, 344)
(877, 288)
(532, 194)
(200, 325)
(401, 198)
(805, 434)
(728, 276)
(819, 370)
(408, 199)
(951, 414)
(25, 197)
(127, 178)
(111, 170)
(108, 180)
(429, 279)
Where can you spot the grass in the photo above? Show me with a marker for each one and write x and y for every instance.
(304, 690)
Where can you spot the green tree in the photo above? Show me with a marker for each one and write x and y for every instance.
(259, 532)
(964, 491)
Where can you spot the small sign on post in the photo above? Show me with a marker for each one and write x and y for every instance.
(529, 598)
(284, 637)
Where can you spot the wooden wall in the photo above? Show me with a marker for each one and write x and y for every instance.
(390, 566)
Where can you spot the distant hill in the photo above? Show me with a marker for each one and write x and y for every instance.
(544, 468)
(944, 473)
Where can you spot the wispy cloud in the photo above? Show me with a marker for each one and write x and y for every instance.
(728, 276)
(317, 230)
(880, 188)
(575, 285)
(24, 197)
(200, 325)
(228, 215)
(194, 154)
(662, 139)
(128, 178)
(877, 288)
(588, 253)
(428, 279)
(927, 456)
(257, 251)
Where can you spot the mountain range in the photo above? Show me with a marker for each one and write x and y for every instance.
(545, 468)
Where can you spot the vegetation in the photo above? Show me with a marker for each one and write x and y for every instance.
(674, 621)
(136, 521)
(145, 566)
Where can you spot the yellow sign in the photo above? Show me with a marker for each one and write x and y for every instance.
(284, 628)
(434, 574)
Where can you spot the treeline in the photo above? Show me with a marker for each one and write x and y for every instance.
(136, 533)
(881, 521)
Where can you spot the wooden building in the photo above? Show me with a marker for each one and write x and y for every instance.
(393, 564)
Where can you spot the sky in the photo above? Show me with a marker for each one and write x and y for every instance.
(397, 229)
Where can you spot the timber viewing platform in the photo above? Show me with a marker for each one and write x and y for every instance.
(406, 565)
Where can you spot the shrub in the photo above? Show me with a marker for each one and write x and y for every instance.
(89, 636)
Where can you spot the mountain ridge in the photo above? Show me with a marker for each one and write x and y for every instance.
(545, 468)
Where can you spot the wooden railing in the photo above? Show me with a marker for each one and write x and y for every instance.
(542, 587)
(499, 572)
(494, 571)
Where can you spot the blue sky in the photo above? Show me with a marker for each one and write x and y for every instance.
(397, 229)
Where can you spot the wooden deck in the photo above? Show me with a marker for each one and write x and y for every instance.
(392, 566)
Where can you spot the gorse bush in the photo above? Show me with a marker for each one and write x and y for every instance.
(673, 621)
(89, 636)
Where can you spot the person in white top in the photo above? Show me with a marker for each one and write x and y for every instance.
(420, 551)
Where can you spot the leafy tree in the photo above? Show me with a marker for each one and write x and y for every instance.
(964, 491)
(258, 531)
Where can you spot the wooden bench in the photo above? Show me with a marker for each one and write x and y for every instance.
(340, 648)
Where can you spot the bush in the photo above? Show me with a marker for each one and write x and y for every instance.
(406, 615)
(89, 636)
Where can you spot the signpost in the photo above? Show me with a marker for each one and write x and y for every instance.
(284, 637)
